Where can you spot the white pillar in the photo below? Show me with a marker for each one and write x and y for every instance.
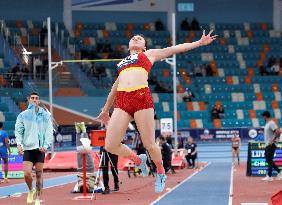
(277, 15)
(171, 9)
(50, 75)
(67, 14)
(173, 33)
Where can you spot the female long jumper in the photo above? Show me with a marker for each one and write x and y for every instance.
(133, 100)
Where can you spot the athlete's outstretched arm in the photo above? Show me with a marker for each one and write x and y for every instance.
(158, 54)
(104, 115)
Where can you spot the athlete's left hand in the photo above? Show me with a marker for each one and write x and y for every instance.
(42, 149)
(104, 117)
(207, 39)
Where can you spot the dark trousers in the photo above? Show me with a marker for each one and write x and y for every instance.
(189, 158)
(269, 155)
(167, 165)
(105, 166)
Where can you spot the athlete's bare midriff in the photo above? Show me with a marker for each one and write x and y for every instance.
(132, 79)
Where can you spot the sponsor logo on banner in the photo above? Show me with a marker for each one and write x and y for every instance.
(253, 133)
(13, 174)
(15, 159)
(206, 135)
(15, 165)
(184, 134)
(224, 134)
(12, 141)
(59, 138)
(66, 138)
(12, 167)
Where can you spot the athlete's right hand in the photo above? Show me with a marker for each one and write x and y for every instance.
(104, 117)
(20, 149)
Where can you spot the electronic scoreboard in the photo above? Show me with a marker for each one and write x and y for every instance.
(256, 164)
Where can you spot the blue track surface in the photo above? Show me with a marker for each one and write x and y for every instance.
(219, 152)
(22, 188)
(209, 187)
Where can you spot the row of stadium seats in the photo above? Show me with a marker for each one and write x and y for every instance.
(141, 26)
(234, 59)
(243, 93)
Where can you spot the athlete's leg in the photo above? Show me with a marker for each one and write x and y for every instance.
(193, 160)
(269, 159)
(238, 155)
(39, 179)
(5, 169)
(146, 126)
(27, 169)
(233, 156)
(115, 132)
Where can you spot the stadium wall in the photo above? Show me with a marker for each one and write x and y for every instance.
(226, 11)
(223, 11)
(230, 11)
(120, 17)
(31, 10)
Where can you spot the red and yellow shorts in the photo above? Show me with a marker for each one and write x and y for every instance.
(133, 101)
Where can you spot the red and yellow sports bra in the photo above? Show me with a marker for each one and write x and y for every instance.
(135, 62)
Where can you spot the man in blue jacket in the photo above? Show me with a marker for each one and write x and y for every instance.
(34, 134)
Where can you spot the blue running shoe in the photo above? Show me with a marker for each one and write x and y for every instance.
(143, 165)
(160, 182)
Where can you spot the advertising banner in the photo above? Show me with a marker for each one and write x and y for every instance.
(256, 134)
(15, 165)
(223, 134)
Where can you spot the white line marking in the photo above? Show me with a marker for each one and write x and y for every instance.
(52, 157)
(231, 186)
(189, 177)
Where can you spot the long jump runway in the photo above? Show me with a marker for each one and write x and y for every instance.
(135, 191)
(209, 187)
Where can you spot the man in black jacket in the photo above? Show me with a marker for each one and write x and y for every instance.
(166, 154)
(191, 149)
(113, 160)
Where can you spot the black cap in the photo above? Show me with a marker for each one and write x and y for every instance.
(266, 114)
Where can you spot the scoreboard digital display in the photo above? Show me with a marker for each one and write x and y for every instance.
(256, 164)
(15, 165)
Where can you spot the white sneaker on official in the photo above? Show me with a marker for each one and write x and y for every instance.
(279, 176)
(267, 178)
